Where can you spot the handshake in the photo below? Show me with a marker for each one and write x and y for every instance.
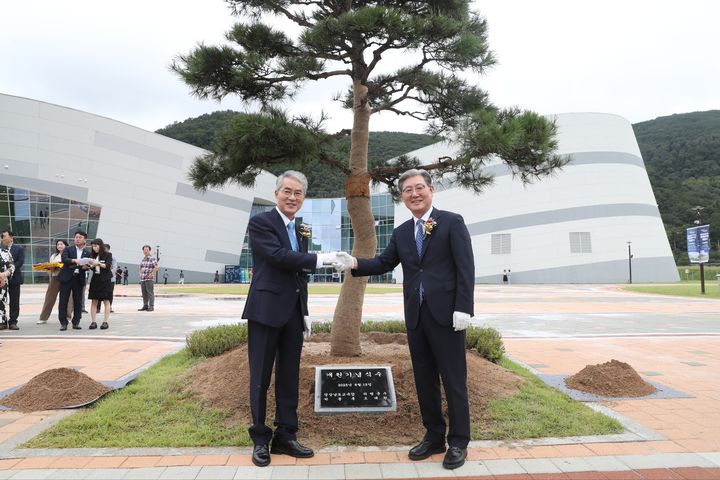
(341, 261)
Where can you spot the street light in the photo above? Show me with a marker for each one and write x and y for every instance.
(157, 256)
(630, 261)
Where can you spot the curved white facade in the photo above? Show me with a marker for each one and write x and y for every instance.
(602, 200)
(138, 178)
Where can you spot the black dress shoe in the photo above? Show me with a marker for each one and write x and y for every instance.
(425, 449)
(150, 309)
(104, 326)
(77, 327)
(63, 328)
(290, 447)
(455, 457)
(93, 326)
(261, 455)
(142, 309)
(13, 326)
(3, 326)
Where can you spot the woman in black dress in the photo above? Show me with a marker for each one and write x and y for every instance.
(101, 284)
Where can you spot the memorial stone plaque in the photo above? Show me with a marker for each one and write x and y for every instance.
(354, 389)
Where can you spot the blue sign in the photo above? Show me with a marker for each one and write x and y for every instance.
(698, 244)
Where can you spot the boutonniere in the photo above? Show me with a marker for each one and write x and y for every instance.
(305, 230)
(429, 225)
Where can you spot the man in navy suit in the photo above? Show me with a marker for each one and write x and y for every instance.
(435, 251)
(18, 255)
(277, 314)
(72, 280)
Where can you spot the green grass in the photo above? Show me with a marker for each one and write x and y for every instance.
(150, 412)
(684, 289)
(540, 411)
(242, 289)
(694, 273)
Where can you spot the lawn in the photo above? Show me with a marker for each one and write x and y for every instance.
(242, 289)
(683, 289)
(150, 412)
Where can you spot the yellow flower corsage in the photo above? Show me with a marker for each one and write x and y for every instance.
(305, 230)
(429, 225)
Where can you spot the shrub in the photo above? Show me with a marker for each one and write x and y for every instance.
(216, 340)
(392, 326)
(489, 344)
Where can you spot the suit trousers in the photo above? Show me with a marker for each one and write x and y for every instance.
(51, 296)
(438, 352)
(14, 291)
(75, 288)
(281, 346)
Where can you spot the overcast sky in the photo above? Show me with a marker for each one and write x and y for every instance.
(637, 58)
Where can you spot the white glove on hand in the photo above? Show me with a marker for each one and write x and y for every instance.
(326, 258)
(344, 261)
(308, 327)
(461, 321)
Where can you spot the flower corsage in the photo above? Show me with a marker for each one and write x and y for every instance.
(429, 225)
(305, 230)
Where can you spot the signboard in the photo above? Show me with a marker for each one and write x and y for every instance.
(354, 389)
(698, 244)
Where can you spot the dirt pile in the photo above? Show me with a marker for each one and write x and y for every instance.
(222, 382)
(55, 388)
(610, 379)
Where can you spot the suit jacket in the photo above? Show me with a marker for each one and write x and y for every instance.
(280, 275)
(446, 267)
(18, 254)
(66, 272)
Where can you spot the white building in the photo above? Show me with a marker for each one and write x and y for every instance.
(63, 169)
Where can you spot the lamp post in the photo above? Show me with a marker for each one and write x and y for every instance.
(630, 261)
(157, 256)
(698, 221)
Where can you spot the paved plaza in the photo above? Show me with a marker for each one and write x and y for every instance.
(552, 329)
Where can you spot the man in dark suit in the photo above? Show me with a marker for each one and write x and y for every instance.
(435, 251)
(72, 280)
(18, 255)
(276, 311)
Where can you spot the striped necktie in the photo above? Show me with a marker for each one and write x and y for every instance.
(419, 237)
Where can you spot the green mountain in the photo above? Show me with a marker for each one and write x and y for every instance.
(323, 181)
(682, 157)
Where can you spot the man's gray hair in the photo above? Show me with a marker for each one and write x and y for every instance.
(414, 172)
(292, 174)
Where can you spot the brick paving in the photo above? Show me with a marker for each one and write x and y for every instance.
(558, 329)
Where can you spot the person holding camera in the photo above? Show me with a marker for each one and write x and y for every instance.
(101, 288)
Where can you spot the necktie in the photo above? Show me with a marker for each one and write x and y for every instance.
(293, 237)
(419, 236)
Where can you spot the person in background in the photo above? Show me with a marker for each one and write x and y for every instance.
(7, 268)
(216, 279)
(113, 278)
(125, 276)
(182, 278)
(165, 277)
(101, 283)
(17, 279)
(148, 267)
(72, 280)
(118, 276)
(53, 289)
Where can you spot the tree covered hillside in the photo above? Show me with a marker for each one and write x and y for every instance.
(323, 181)
(682, 157)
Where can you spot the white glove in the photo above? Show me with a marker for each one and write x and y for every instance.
(461, 321)
(326, 258)
(308, 327)
(344, 262)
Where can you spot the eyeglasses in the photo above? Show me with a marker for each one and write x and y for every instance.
(416, 189)
(286, 192)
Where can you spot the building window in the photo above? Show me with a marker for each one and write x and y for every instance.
(580, 242)
(500, 244)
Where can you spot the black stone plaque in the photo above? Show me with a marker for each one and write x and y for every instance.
(354, 389)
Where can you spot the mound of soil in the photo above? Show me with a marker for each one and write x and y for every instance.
(55, 388)
(222, 382)
(610, 379)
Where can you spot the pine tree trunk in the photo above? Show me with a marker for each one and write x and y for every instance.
(348, 313)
